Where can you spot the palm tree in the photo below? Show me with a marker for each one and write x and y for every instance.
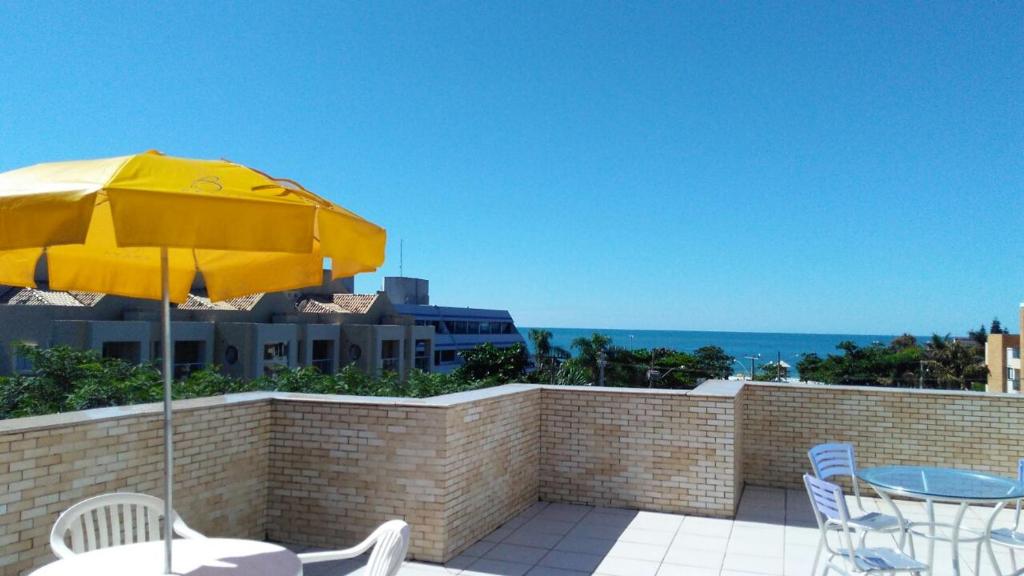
(546, 355)
(954, 363)
(590, 348)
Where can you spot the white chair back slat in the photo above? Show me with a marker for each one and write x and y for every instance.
(826, 498)
(1020, 471)
(77, 539)
(116, 536)
(152, 524)
(102, 527)
(830, 460)
(112, 520)
(90, 531)
(390, 550)
(138, 524)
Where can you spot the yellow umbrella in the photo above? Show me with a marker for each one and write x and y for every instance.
(142, 226)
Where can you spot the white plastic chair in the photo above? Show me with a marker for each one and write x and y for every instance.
(832, 515)
(838, 459)
(1011, 537)
(390, 542)
(112, 520)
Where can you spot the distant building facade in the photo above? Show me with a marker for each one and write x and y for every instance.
(327, 327)
(1002, 357)
(455, 329)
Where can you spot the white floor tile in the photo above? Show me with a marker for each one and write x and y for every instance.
(627, 567)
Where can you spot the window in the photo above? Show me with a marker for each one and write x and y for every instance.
(422, 361)
(449, 327)
(22, 360)
(323, 356)
(130, 352)
(355, 352)
(389, 355)
(472, 327)
(444, 357)
(275, 351)
(189, 356)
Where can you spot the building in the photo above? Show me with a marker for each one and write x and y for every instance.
(326, 326)
(1002, 357)
(455, 329)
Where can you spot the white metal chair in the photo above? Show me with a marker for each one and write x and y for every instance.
(832, 515)
(1011, 537)
(838, 459)
(390, 542)
(112, 520)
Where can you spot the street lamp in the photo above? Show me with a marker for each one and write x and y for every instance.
(752, 359)
(653, 374)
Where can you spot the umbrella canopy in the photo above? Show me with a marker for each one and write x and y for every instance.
(102, 222)
(142, 226)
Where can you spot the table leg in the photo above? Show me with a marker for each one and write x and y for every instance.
(905, 536)
(931, 536)
(988, 535)
(956, 537)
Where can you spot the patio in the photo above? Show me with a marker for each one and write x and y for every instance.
(773, 534)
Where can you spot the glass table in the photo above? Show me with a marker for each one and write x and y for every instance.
(950, 485)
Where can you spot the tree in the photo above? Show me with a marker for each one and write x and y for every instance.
(997, 327)
(547, 357)
(488, 362)
(588, 350)
(979, 335)
(953, 364)
(711, 362)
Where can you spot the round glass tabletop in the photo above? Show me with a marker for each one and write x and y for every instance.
(942, 483)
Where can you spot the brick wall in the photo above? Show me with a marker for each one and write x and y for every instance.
(888, 426)
(656, 450)
(493, 463)
(338, 470)
(51, 462)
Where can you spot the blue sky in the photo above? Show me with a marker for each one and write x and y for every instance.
(841, 167)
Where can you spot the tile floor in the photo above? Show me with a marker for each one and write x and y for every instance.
(773, 534)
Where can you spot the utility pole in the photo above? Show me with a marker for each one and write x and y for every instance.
(401, 257)
(920, 376)
(602, 361)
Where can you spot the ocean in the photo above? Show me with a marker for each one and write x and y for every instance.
(768, 345)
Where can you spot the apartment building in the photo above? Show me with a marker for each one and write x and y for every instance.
(455, 329)
(1002, 357)
(326, 326)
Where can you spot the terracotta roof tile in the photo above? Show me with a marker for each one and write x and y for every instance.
(36, 297)
(355, 303)
(336, 304)
(243, 303)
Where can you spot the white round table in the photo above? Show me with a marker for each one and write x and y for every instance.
(199, 557)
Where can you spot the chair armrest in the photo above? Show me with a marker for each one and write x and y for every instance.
(311, 557)
(182, 529)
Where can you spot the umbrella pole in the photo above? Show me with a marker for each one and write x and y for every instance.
(165, 321)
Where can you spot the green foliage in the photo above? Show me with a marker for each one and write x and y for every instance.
(942, 363)
(546, 357)
(488, 362)
(572, 373)
(65, 379)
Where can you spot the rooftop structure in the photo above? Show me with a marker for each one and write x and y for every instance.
(455, 329)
